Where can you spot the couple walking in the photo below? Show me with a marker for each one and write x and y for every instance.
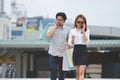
(59, 34)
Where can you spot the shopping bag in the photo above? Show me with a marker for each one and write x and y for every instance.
(67, 63)
(69, 53)
(43, 35)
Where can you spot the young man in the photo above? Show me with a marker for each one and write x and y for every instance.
(58, 34)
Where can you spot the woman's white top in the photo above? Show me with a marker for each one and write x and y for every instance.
(78, 37)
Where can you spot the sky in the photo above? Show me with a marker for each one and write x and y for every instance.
(97, 12)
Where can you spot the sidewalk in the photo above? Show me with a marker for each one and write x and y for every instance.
(49, 79)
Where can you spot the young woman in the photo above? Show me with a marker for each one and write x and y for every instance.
(79, 37)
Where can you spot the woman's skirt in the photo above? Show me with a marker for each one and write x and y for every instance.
(80, 55)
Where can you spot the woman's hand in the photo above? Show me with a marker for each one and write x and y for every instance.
(83, 29)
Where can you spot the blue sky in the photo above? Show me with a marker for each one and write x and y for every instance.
(97, 12)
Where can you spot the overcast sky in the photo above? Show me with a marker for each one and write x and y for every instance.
(97, 12)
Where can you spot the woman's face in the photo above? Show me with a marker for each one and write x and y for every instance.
(60, 21)
(80, 22)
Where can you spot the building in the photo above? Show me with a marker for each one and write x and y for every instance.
(31, 58)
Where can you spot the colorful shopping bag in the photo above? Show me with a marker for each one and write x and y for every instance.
(67, 62)
(69, 53)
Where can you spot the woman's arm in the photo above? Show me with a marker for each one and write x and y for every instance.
(85, 38)
(85, 34)
(71, 39)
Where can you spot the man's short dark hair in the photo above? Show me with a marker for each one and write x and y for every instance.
(62, 14)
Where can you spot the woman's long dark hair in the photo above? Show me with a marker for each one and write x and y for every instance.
(84, 18)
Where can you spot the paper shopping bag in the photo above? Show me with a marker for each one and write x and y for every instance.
(69, 53)
(67, 66)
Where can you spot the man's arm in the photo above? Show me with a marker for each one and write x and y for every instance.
(51, 31)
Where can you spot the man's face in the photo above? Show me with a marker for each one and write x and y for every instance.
(59, 21)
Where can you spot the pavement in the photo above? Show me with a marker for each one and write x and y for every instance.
(65, 79)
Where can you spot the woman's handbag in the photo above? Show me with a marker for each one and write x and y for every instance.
(67, 60)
